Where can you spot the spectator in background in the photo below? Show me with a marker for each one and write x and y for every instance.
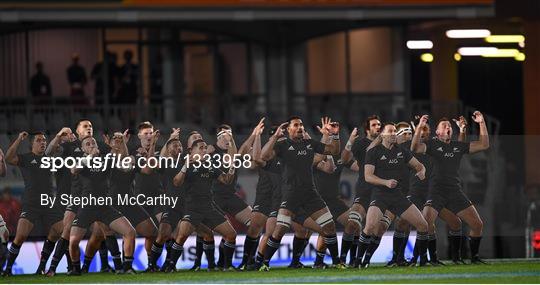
(10, 209)
(112, 74)
(129, 76)
(76, 76)
(40, 84)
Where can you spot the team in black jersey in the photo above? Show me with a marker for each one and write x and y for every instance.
(409, 179)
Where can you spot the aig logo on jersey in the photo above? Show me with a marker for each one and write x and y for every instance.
(302, 152)
(205, 174)
(448, 154)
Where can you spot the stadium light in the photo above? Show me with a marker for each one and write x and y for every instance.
(520, 57)
(476, 51)
(505, 39)
(468, 34)
(426, 57)
(457, 56)
(424, 44)
(503, 53)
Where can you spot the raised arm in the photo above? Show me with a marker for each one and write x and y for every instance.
(418, 167)
(11, 155)
(347, 154)
(54, 148)
(483, 139)
(174, 135)
(268, 152)
(257, 149)
(180, 177)
(462, 126)
(416, 145)
(330, 136)
(246, 146)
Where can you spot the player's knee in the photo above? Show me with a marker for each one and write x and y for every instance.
(329, 229)
(455, 224)
(130, 233)
(230, 235)
(422, 225)
(477, 225)
(370, 229)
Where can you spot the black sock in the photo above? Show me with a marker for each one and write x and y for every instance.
(3, 255)
(363, 245)
(332, 246)
(198, 250)
(177, 250)
(319, 258)
(87, 261)
(415, 253)
(432, 247)
(112, 245)
(401, 253)
(259, 257)
(421, 240)
(128, 263)
(155, 253)
(13, 253)
(373, 245)
(298, 248)
(346, 244)
(209, 250)
(76, 265)
(104, 255)
(272, 245)
(354, 249)
(455, 244)
(249, 246)
(228, 251)
(397, 241)
(48, 247)
(61, 248)
(475, 246)
(221, 257)
(168, 247)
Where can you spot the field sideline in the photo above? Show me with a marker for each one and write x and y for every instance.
(497, 272)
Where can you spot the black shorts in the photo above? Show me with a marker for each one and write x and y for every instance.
(418, 200)
(363, 195)
(42, 214)
(172, 216)
(203, 213)
(452, 199)
(391, 200)
(86, 216)
(337, 206)
(134, 213)
(263, 201)
(153, 210)
(276, 202)
(307, 200)
(230, 203)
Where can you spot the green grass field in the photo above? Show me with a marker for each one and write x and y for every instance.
(497, 272)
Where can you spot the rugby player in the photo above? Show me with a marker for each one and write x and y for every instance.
(446, 156)
(37, 182)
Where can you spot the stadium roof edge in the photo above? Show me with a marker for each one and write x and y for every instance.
(138, 14)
